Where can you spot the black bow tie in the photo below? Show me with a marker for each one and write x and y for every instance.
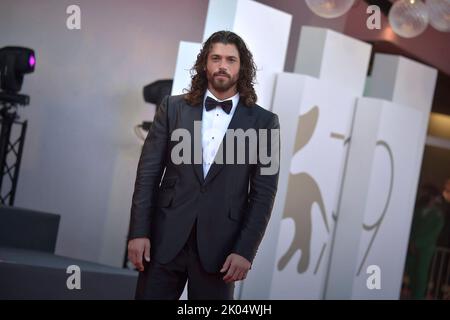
(211, 103)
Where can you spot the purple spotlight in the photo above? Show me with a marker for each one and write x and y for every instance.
(31, 61)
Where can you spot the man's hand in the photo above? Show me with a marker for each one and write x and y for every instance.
(136, 249)
(237, 267)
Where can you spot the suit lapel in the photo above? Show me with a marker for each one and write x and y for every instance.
(241, 119)
(194, 125)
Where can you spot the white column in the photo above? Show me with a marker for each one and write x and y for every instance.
(383, 169)
(315, 112)
(334, 58)
(187, 53)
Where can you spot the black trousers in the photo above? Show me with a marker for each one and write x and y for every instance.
(167, 281)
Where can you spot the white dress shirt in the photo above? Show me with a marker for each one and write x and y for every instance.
(214, 126)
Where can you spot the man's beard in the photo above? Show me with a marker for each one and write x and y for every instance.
(222, 85)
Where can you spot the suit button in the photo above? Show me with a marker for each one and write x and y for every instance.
(203, 190)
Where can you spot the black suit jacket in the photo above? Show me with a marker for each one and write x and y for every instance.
(232, 205)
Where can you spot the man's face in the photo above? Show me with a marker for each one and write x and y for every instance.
(222, 67)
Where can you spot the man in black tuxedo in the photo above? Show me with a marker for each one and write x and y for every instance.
(202, 203)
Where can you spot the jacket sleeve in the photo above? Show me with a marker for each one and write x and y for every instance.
(263, 188)
(150, 169)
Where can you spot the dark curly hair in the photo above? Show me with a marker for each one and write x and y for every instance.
(247, 72)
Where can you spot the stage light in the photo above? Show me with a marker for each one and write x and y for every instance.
(156, 91)
(14, 63)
